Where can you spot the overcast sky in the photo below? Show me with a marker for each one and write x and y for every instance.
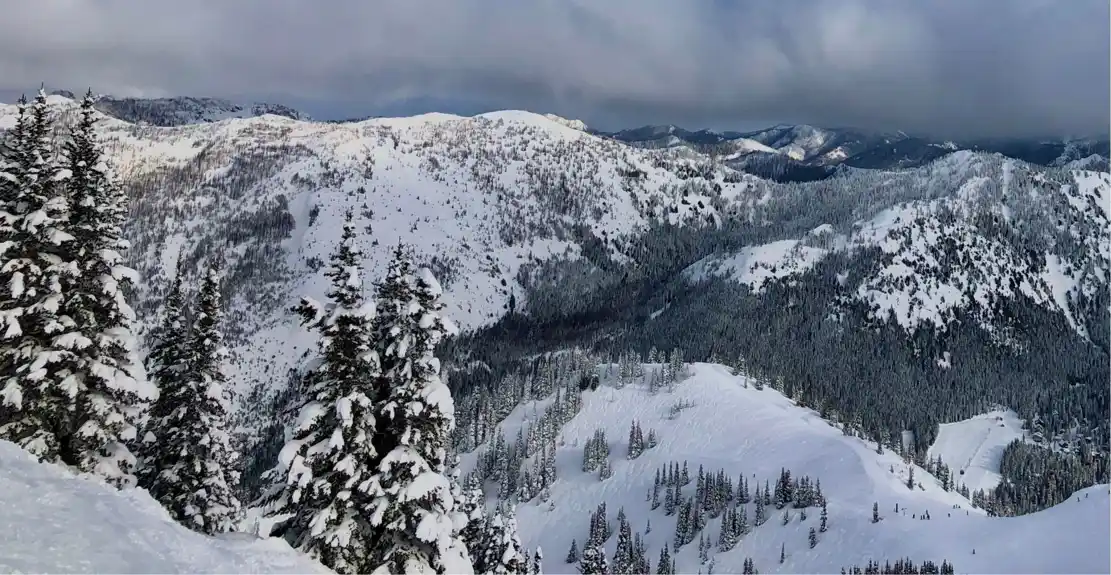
(948, 67)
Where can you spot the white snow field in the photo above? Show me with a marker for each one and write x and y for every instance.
(975, 447)
(52, 521)
(756, 433)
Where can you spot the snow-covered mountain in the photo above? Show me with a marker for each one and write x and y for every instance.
(791, 148)
(956, 252)
(56, 522)
(590, 241)
(715, 421)
(181, 111)
(523, 212)
(480, 199)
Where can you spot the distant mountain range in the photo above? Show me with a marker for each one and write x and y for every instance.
(803, 153)
(183, 111)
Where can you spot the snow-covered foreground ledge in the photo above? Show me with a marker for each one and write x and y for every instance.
(52, 521)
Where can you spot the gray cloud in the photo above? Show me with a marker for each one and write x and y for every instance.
(949, 67)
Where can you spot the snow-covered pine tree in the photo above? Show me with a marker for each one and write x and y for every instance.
(605, 470)
(623, 554)
(665, 565)
(196, 473)
(683, 527)
(37, 340)
(636, 441)
(813, 537)
(538, 561)
(413, 511)
(501, 551)
(824, 518)
(593, 561)
(573, 552)
(113, 393)
(165, 365)
(761, 515)
(328, 463)
(473, 507)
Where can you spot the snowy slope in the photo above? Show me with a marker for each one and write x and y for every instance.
(973, 448)
(1006, 231)
(55, 522)
(756, 433)
(755, 265)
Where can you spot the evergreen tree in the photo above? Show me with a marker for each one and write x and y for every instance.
(761, 515)
(813, 537)
(573, 552)
(623, 555)
(34, 414)
(165, 362)
(665, 565)
(876, 512)
(593, 561)
(824, 518)
(327, 491)
(501, 551)
(112, 393)
(683, 527)
(196, 471)
(72, 391)
(605, 470)
(538, 561)
(417, 531)
(782, 552)
(473, 508)
(636, 441)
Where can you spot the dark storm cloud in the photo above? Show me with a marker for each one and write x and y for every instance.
(958, 67)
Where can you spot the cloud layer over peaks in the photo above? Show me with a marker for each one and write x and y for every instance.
(948, 67)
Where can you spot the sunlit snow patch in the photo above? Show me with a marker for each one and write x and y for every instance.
(973, 448)
(754, 266)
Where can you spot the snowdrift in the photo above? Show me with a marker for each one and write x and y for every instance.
(755, 433)
(54, 522)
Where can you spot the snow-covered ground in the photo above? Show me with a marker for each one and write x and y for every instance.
(756, 433)
(755, 265)
(974, 447)
(54, 522)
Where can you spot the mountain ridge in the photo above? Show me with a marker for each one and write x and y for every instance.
(533, 219)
